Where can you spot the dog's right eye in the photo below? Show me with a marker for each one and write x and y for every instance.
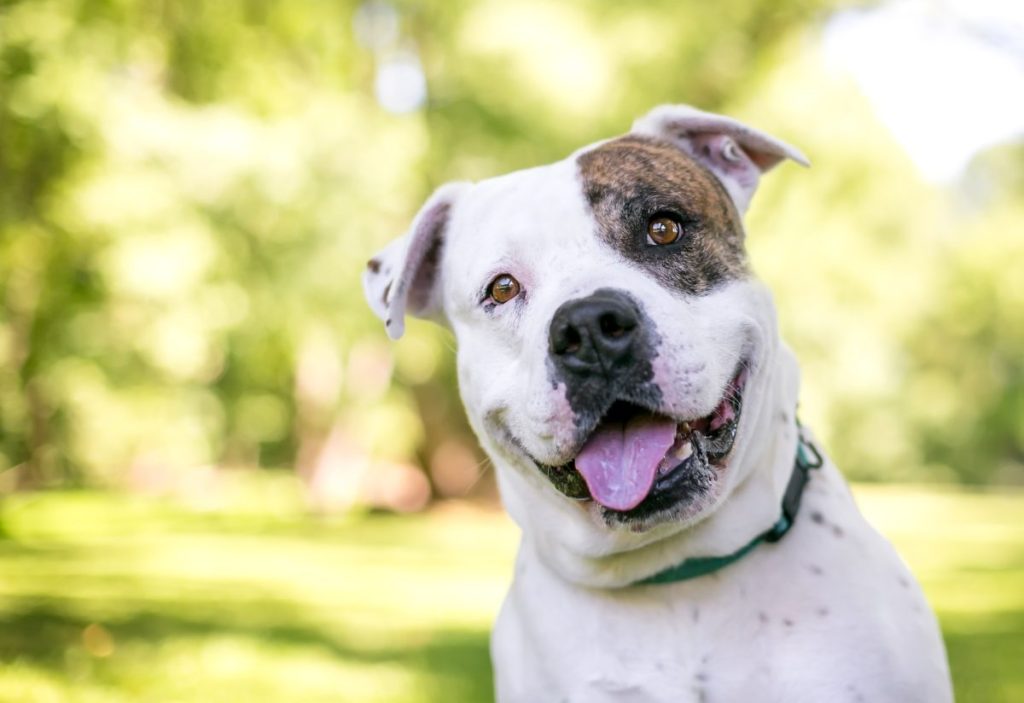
(503, 289)
(663, 229)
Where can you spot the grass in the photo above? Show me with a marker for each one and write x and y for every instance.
(107, 597)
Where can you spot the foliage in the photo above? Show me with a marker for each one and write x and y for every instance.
(973, 419)
(113, 598)
(188, 191)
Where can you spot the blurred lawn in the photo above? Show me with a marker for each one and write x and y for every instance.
(106, 597)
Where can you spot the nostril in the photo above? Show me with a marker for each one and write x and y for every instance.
(611, 326)
(571, 341)
(565, 339)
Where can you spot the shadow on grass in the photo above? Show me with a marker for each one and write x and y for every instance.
(452, 664)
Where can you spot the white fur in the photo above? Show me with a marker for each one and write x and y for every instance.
(830, 613)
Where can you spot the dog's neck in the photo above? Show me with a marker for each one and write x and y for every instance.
(751, 508)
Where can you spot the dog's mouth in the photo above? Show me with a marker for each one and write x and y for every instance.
(637, 462)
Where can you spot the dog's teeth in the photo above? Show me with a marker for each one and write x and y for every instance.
(684, 452)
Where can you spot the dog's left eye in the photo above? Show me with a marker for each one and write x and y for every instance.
(503, 288)
(663, 229)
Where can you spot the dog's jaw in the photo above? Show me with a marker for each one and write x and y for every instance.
(576, 543)
(685, 474)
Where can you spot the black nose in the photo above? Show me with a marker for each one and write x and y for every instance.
(595, 335)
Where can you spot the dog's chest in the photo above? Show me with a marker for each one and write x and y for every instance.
(651, 645)
(780, 625)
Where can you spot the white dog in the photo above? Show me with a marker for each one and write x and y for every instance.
(622, 366)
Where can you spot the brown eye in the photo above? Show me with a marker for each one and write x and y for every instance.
(503, 289)
(662, 229)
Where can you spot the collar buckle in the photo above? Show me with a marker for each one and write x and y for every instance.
(795, 488)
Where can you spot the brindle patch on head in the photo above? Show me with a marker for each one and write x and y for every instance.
(628, 180)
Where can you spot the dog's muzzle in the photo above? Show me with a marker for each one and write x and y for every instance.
(601, 347)
(632, 459)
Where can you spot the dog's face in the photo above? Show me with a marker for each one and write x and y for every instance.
(610, 334)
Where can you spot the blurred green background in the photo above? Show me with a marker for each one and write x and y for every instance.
(215, 471)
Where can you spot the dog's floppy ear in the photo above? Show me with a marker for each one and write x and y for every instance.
(403, 275)
(735, 153)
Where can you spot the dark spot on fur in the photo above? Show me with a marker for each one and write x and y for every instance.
(373, 265)
(858, 697)
(787, 622)
(762, 616)
(695, 614)
(818, 519)
(904, 582)
(628, 180)
(700, 685)
(816, 570)
(822, 612)
(387, 293)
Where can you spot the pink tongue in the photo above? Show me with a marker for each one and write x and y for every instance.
(620, 460)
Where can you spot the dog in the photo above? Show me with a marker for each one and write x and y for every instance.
(683, 538)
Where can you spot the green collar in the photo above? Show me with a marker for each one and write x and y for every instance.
(699, 566)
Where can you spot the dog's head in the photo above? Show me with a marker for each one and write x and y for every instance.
(611, 337)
